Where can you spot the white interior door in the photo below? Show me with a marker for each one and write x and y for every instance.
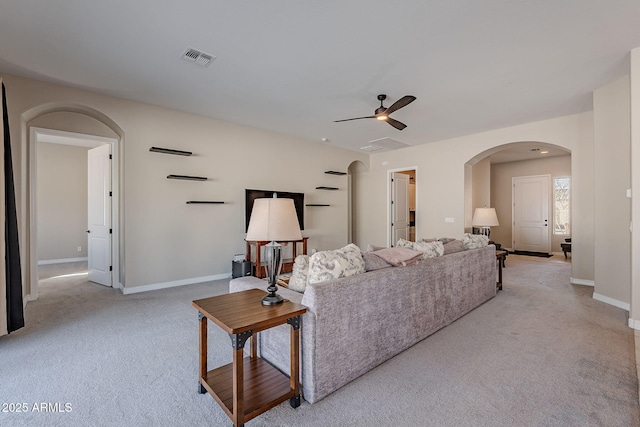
(531, 231)
(99, 215)
(399, 207)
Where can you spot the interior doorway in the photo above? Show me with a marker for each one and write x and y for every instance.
(402, 205)
(38, 138)
(531, 213)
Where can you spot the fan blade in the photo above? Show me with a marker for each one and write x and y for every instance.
(396, 124)
(402, 102)
(355, 118)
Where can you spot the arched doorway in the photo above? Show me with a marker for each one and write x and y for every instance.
(67, 120)
(489, 183)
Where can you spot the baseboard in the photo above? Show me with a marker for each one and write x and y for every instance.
(575, 281)
(173, 284)
(611, 301)
(61, 260)
(634, 324)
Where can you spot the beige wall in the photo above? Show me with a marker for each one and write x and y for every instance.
(634, 314)
(612, 168)
(163, 239)
(441, 181)
(501, 192)
(62, 201)
(481, 187)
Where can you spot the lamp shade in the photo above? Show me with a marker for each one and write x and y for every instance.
(273, 219)
(485, 217)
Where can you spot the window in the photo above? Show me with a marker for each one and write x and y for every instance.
(561, 206)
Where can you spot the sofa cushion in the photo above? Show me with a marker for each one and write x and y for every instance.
(298, 280)
(373, 262)
(328, 265)
(446, 240)
(474, 241)
(399, 256)
(453, 247)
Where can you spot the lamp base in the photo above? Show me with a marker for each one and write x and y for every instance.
(272, 299)
(274, 263)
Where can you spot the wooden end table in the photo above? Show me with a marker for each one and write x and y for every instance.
(248, 386)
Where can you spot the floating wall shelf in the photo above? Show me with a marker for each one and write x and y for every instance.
(335, 173)
(315, 204)
(170, 151)
(187, 177)
(327, 188)
(203, 202)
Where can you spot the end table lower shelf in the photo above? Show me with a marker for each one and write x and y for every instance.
(261, 383)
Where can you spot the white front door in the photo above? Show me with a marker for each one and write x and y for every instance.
(399, 207)
(99, 215)
(531, 230)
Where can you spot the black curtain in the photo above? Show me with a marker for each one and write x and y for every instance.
(15, 312)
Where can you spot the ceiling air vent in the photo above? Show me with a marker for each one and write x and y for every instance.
(388, 143)
(371, 148)
(197, 57)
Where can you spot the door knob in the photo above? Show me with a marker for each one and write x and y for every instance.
(88, 231)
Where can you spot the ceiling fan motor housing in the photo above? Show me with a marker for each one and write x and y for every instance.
(381, 109)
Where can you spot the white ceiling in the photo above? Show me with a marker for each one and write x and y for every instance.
(296, 66)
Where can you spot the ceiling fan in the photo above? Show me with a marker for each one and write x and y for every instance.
(382, 113)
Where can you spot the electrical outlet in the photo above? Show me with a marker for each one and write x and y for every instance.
(79, 248)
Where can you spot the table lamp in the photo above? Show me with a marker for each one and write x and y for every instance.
(485, 218)
(273, 219)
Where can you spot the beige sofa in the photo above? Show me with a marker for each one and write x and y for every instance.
(355, 323)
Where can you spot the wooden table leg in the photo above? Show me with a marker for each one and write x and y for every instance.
(253, 346)
(294, 356)
(238, 387)
(203, 352)
(500, 273)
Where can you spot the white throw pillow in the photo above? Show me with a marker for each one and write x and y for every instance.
(298, 280)
(429, 249)
(329, 265)
(474, 241)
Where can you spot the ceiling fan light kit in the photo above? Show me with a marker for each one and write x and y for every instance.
(382, 113)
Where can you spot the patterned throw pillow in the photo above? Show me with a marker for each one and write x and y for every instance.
(328, 265)
(430, 249)
(404, 244)
(298, 281)
(474, 241)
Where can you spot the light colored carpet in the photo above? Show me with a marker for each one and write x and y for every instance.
(542, 353)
